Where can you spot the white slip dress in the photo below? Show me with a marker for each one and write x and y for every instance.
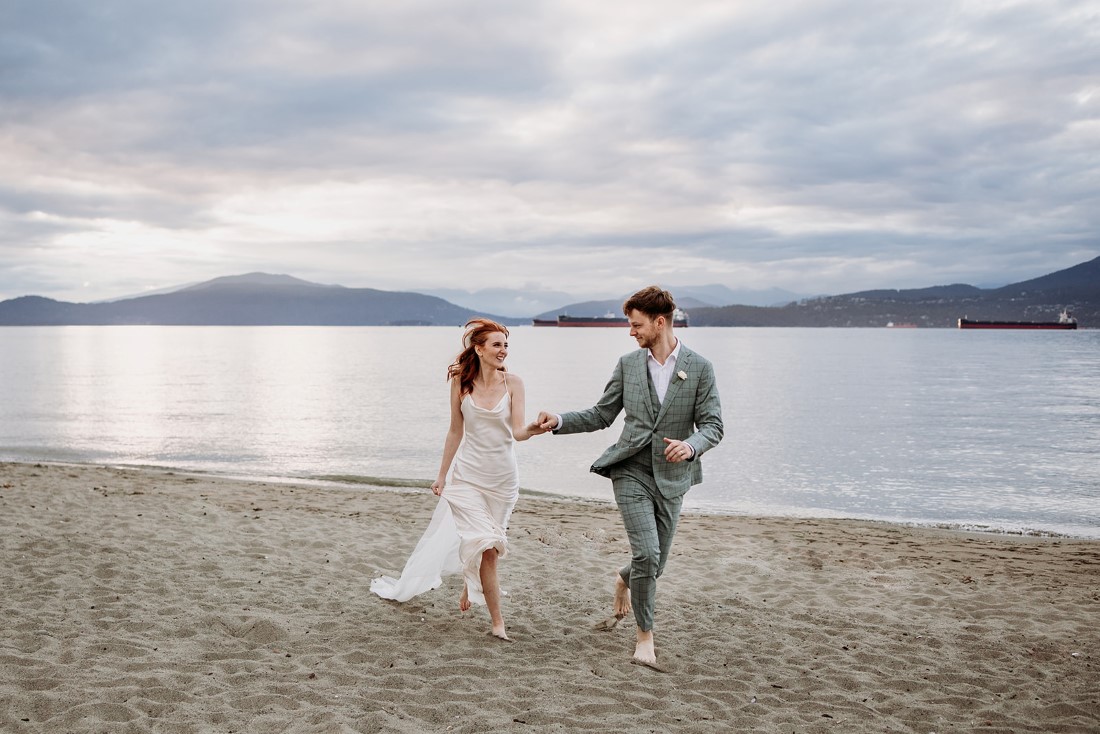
(473, 511)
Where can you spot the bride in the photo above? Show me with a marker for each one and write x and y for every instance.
(468, 530)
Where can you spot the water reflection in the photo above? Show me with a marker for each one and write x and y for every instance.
(909, 425)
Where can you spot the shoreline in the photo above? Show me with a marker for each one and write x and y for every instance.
(353, 481)
(145, 600)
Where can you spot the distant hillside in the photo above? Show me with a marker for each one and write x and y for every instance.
(519, 303)
(538, 303)
(613, 306)
(720, 295)
(1038, 299)
(935, 293)
(253, 299)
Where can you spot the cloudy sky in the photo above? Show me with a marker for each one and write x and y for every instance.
(821, 146)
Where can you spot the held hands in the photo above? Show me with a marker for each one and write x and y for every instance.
(677, 451)
(546, 421)
(535, 428)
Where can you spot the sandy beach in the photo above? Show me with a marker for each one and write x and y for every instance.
(152, 601)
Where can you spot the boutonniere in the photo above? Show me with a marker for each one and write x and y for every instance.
(682, 375)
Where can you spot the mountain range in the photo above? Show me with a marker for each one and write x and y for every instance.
(541, 304)
(264, 299)
(1039, 299)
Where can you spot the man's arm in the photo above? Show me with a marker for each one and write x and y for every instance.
(709, 428)
(596, 418)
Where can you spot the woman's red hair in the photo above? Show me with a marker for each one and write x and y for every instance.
(467, 365)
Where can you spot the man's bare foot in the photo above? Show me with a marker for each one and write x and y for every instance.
(464, 601)
(644, 653)
(621, 604)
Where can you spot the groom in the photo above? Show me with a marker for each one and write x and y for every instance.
(673, 415)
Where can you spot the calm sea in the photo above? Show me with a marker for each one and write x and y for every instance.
(987, 430)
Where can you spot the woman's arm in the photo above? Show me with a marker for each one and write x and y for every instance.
(520, 431)
(454, 438)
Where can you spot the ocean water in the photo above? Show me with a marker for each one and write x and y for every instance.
(980, 430)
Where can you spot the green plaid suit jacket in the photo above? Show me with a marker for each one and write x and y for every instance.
(691, 412)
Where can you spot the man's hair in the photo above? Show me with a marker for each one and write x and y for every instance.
(652, 301)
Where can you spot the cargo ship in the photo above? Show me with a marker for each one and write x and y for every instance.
(679, 320)
(1065, 321)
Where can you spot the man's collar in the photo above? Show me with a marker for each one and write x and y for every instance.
(674, 355)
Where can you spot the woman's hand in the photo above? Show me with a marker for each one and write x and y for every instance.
(437, 488)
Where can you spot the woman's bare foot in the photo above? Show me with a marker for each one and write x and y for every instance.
(500, 633)
(464, 601)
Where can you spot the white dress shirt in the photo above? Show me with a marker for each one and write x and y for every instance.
(661, 374)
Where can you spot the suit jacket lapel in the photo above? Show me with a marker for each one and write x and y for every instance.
(682, 365)
(641, 374)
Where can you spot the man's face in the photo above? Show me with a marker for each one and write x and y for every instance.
(644, 328)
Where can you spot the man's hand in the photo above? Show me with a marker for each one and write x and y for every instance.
(677, 451)
(547, 421)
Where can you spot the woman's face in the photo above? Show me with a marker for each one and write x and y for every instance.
(495, 349)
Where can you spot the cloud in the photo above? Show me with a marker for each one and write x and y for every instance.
(820, 146)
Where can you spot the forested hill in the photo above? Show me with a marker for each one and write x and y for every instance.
(1038, 299)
